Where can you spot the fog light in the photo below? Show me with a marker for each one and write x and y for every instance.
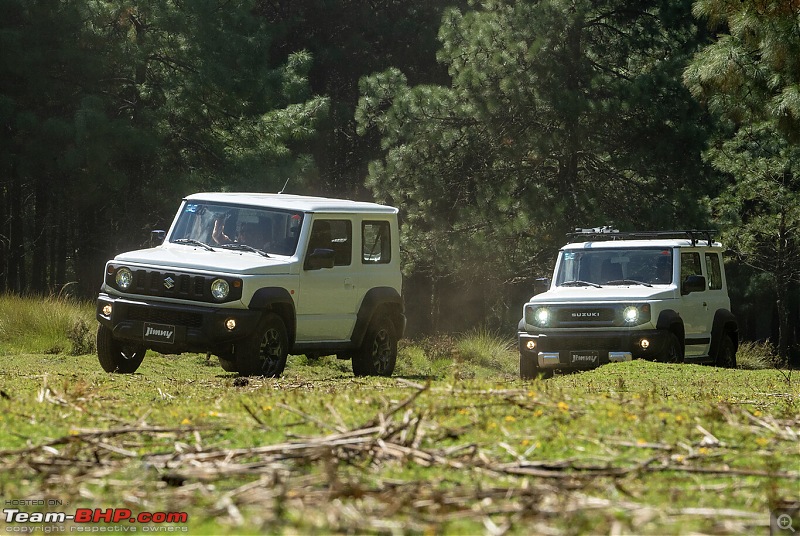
(530, 345)
(230, 324)
(107, 309)
(645, 344)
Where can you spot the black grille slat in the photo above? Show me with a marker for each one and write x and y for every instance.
(183, 286)
(140, 279)
(199, 286)
(155, 279)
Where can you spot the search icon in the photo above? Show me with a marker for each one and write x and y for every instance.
(784, 522)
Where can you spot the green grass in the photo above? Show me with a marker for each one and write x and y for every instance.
(49, 325)
(453, 444)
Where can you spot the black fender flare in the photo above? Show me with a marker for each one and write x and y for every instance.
(374, 299)
(670, 320)
(278, 300)
(724, 321)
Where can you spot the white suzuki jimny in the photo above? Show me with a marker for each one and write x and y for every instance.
(619, 296)
(252, 277)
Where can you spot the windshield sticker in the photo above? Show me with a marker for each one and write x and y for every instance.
(191, 208)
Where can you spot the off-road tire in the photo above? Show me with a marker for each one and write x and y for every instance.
(228, 363)
(117, 356)
(726, 356)
(378, 353)
(264, 353)
(672, 353)
(529, 369)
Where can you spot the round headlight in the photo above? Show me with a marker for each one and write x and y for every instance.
(542, 316)
(124, 278)
(220, 289)
(631, 314)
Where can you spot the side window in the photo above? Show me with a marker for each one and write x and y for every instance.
(690, 264)
(714, 271)
(336, 235)
(376, 247)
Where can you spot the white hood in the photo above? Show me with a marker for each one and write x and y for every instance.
(607, 293)
(177, 257)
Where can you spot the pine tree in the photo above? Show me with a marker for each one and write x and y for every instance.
(749, 77)
(560, 114)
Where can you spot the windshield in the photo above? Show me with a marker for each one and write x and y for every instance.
(233, 226)
(647, 266)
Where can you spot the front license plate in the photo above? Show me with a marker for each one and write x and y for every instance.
(585, 357)
(159, 333)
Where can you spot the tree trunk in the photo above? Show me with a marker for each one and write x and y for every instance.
(16, 236)
(40, 244)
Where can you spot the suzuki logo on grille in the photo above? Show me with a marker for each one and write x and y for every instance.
(593, 314)
(169, 283)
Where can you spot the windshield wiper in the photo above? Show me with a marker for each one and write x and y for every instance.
(628, 282)
(245, 247)
(579, 283)
(193, 242)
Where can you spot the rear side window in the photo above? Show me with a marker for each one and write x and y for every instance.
(714, 270)
(333, 234)
(690, 264)
(376, 244)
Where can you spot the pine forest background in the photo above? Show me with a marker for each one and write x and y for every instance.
(495, 126)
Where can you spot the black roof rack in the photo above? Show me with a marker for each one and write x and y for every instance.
(609, 233)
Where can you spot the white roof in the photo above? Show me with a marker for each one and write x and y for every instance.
(655, 243)
(292, 202)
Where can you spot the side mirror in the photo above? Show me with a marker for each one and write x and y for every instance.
(319, 258)
(157, 237)
(540, 285)
(693, 283)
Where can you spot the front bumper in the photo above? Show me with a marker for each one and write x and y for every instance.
(577, 350)
(174, 328)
